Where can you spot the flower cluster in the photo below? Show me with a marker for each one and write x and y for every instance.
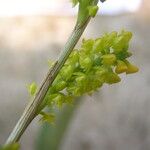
(97, 62)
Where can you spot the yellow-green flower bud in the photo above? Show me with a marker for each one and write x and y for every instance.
(81, 80)
(121, 67)
(100, 74)
(112, 78)
(97, 45)
(78, 91)
(59, 86)
(73, 58)
(86, 63)
(59, 100)
(109, 59)
(131, 68)
(67, 72)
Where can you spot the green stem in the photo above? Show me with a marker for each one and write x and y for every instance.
(30, 112)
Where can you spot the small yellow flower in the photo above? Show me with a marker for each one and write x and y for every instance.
(121, 67)
(109, 59)
(112, 78)
(131, 68)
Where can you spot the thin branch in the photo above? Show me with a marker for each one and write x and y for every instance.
(31, 109)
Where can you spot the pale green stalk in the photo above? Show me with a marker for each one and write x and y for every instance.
(31, 109)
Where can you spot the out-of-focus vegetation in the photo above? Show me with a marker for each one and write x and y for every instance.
(50, 136)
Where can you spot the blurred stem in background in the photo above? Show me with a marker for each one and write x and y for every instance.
(50, 137)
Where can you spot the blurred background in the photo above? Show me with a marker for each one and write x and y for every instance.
(34, 31)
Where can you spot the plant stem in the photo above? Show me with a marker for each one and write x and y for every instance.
(31, 110)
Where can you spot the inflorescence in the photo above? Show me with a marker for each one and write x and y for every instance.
(97, 62)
